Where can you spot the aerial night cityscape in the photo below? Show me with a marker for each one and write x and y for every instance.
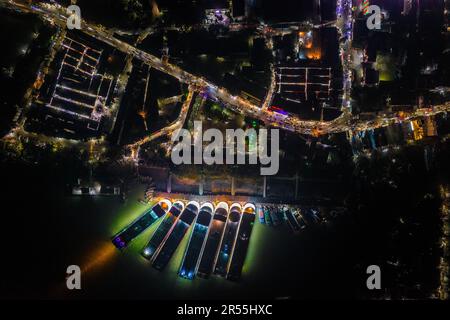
(188, 150)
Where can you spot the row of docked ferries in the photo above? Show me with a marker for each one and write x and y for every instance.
(218, 242)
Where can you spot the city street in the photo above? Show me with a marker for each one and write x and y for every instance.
(345, 122)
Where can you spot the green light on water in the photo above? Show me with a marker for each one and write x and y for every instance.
(255, 249)
(129, 211)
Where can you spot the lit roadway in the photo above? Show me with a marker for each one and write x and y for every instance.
(293, 123)
(344, 26)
